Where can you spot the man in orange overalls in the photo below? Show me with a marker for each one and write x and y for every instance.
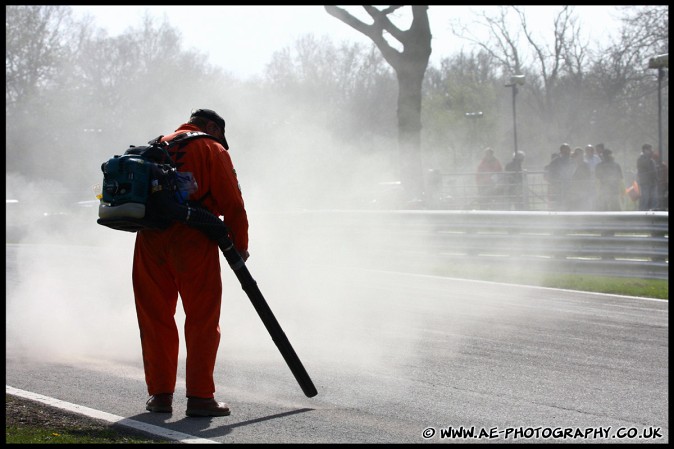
(182, 261)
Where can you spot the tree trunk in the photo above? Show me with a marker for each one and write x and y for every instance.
(410, 66)
(409, 132)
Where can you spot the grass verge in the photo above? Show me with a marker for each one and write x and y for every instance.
(647, 288)
(31, 422)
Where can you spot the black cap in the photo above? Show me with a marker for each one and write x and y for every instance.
(213, 116)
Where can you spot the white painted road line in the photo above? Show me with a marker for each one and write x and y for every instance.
(109, 417)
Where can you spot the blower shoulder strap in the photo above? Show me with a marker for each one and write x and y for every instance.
(157, 151)
(182, 137)
(186, 136)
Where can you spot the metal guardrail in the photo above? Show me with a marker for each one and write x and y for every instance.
(621, 244)
(461, 191)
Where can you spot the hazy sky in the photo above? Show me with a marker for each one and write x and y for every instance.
(243, 38)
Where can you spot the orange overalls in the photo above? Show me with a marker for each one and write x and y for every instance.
(182, 260)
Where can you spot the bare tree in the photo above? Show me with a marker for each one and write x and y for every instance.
(410, 66)
(350, 86)
(35, 46)
(564, 56)
(39, 43)
(646, 27)
(622, 75)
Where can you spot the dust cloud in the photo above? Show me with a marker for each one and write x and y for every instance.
(69, 289)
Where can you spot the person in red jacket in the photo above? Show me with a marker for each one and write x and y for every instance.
(182, 261)
(487, 177)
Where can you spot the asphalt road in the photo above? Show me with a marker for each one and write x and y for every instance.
(392, 355)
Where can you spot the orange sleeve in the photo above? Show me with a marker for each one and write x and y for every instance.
(226, 194)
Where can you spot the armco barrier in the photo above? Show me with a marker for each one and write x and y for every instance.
(622, 244)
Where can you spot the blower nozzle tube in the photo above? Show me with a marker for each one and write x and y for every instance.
(215, 229)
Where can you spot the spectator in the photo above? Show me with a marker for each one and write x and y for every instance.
(592, 159)
(546, 177)
(487, 178)
(559, 174)
(662, 187)
(581, 189)
(647, 178)
(515, 189)
(599, 150)
(611, 184)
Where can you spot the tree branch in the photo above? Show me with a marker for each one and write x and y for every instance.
(375, 31)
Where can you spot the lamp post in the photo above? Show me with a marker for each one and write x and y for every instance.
(514, 81)
(660, 62)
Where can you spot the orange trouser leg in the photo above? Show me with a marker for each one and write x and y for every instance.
(200, 286)
(180, 260)
(156, 297)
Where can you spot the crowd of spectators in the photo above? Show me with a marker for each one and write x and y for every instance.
(579, 179)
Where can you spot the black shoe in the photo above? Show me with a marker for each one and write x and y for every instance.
(160, 403)
(206, 407)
